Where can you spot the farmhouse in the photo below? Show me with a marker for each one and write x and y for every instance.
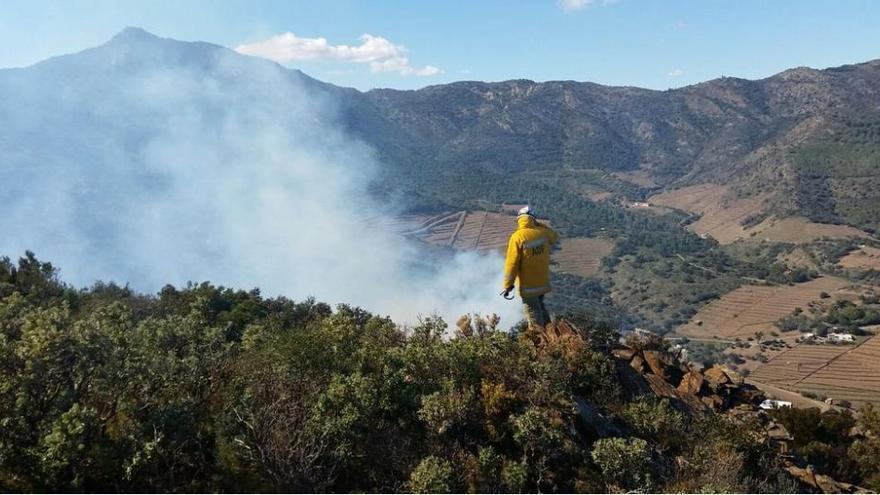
(840, 338)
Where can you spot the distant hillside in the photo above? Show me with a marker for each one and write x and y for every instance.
(811, 137)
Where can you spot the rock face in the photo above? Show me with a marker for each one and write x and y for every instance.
(655, 362)
(692, 383)
(667, 376)
(821, 482)
(651, 368)
(716, 377)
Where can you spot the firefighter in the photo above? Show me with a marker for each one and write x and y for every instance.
(528, 264)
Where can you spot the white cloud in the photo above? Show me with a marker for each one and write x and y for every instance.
(428, 70)
(675, 73)
(380, 53)
(572, 5)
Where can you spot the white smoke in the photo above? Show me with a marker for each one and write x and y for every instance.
(226, 170)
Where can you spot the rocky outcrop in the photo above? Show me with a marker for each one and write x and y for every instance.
(821, 482)
(717, 388)
(652, 368)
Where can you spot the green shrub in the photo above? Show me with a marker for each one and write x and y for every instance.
(625, 462)
(432, 475)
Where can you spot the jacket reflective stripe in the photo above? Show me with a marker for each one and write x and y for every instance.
(533, 290)
(535, 243)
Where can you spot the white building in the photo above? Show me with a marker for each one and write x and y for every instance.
(840, 337)
(774, 404)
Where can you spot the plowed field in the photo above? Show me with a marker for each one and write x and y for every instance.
(749, 309)
(841, 372)
(582, 256)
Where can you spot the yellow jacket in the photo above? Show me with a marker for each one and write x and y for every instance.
(528, 257)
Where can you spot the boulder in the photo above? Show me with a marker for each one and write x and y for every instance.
(714, 401)
(822, 483)
(734, 377)
(593, 418)
(663, 389)
(692, 383)
(656, 363)
(633, 382)
(716, 376)
(625, 353)
(638, 363)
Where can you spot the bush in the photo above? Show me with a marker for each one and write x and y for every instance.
(432, 475)
(625, 462)
(656, 420)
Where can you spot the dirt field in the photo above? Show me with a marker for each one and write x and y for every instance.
(751, 309)
(721, 218)
(800, 230)
(865, 258)
(582, 256)
(840, 372)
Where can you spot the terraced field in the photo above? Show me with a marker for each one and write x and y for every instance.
(790, 367)
(751, 308)
(582, 256)
(482, 230)
(488, 231)
(839, 372)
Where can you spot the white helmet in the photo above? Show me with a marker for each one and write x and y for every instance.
(527, 210)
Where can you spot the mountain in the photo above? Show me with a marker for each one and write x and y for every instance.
(802, 134)
(809, 137)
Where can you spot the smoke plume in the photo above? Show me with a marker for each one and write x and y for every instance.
(148, 161)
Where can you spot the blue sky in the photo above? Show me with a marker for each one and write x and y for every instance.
(648, 43)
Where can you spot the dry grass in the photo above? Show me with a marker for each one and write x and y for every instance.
(721, 217)
(866, 258)
(800, 230)
(751, 308)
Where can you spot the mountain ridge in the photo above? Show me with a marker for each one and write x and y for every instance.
(757, 136)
